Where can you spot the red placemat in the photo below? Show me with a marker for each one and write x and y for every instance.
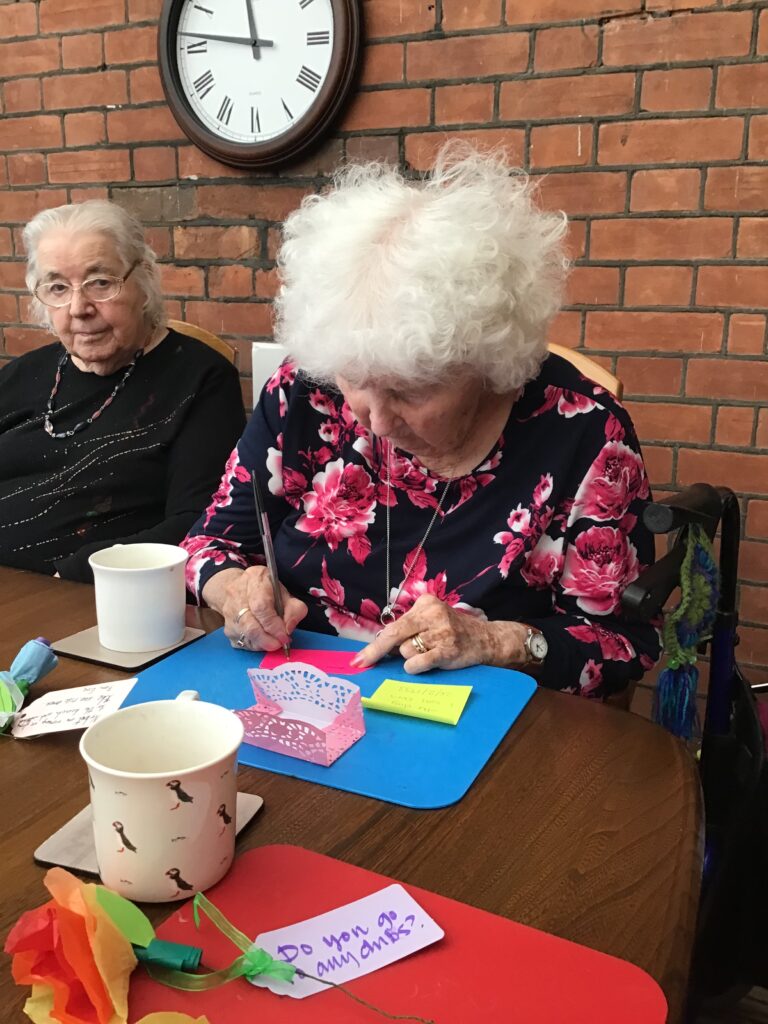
(487, 968)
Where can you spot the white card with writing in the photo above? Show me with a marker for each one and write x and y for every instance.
(349, 942)
(77, 708)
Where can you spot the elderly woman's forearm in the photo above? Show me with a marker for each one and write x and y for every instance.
(215, 589)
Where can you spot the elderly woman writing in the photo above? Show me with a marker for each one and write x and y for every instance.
(434, 483)
(116, 432)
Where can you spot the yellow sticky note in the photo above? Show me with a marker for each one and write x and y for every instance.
(435, 701)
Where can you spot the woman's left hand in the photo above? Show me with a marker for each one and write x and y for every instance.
(450, 638)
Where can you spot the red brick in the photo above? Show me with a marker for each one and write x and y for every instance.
(13, 273)
(753, 604)
(668, 189)
(584, 192)
(21, 205)
(247, 318)
(661, 421)
(753, 641)
(153, 124)
(22, 94)
(266, 283)
(467, 56)
(560, 48)
(464, 104)
(182, 281)
(576, 239)
(679, 38)
(658, 463)
(19, 340)
(732, 286)
(742, 85)
(159, 240)
(737, 470)
(6, 249)
(674, 140)
(26, 168)
(758, 138)
(734, 426)
(736, 188)
(681, 89)
(754, 556)
(30, 57)
(746, 380)
(144, 10)
(95, 89)
(746, 334)
(458, 14)
(757, 519)
(647, 375)
(89, 165)
(231, 282)
(193, 163)
(145, 85)
(678, 5)
(64, 15)
(43, 132)
(82, 195)
(3, 170)
(570, 96)
(661, 238)
(237, 242)
(561, 145)
(173, 310)
(761, 441)
(391, 108)
(383, 63)
(394, 18)
(593, 286)
(421, 148)
(18, 19)
(85, 51)
(658, 286)
(565, 329)
(544, 12)
(256, 202)
(762, 34)
(130, 46)
(154, 163)
(9, 308)
(676, 332)
(86, 129)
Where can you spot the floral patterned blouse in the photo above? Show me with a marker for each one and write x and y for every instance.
(546, 531)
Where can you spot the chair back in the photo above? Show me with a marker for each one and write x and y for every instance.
(207, 337)
(589, 368)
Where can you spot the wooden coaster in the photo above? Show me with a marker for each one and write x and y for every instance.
(85, 646)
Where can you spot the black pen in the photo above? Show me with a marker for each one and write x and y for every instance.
(269, 551)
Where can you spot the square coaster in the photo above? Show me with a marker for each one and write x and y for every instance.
(72, 846)
(86, 647)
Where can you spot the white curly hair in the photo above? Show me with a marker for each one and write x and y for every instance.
(102, 217)
(383, 276)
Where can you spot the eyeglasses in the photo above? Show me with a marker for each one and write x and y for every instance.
(101, 288)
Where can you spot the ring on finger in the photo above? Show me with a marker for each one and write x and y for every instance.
(418, 643)
(241, 641)
(240, 614)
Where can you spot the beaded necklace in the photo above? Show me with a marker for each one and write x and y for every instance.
(94, 416)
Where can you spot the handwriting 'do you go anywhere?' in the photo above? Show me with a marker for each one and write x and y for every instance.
(349, 942)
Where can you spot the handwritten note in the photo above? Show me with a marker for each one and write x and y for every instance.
(347, 943)
(78, 708)
(434, 701)
(333, 663)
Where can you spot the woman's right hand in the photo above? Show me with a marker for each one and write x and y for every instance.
(248, 607)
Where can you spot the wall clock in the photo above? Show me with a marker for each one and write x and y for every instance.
(254, 83)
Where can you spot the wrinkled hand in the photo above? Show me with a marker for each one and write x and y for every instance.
(261, 626)
(453, 639)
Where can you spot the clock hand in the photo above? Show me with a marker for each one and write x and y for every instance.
(252, 30)
(229, 39)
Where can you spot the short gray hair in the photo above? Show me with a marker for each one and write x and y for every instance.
(105, 218)
(386, 276)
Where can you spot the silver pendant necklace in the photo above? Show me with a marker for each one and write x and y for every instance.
(389, 612)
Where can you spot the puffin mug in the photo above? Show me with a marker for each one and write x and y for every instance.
(163, 784)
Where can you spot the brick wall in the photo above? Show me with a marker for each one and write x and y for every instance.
(647, 121)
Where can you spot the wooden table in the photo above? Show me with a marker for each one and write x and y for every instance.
(586, 822)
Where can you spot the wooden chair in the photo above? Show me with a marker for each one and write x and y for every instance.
(590, 369)
(207, 337)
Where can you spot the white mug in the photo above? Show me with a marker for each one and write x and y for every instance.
(140, 596)
(163, 784)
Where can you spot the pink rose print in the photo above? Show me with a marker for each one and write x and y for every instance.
(614, 480)
(223, 495)
(614, 430)
(515, 547)
(321, 403)
(202, 549)
(284, 374)
(613, 646)
(340, 507)
(571, 403)
(519, 520)
(275, 468)
(598, 567)
(544, 564)
(591, 677)
(542, 490)
(330, 432)
(418, 584)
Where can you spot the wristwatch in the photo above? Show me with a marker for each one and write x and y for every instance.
(536, 646)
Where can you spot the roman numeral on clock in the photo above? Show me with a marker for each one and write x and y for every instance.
(303, 4)
(255, 121)
(199, 46)
(225, 110)
(204, 84)
(318, 38)
(308, 78)
(285, 108)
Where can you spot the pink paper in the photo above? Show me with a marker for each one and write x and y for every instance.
(336, 663)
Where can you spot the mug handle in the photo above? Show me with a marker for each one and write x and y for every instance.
(188, 695)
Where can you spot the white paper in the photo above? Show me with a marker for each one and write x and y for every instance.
(349, 942)
(77, 708)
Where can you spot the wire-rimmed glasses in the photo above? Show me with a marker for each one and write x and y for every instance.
(99, 288)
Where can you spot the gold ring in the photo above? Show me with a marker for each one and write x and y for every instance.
(240, 614)
(418, 643)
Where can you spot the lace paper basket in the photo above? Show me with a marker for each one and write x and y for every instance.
(302, 712)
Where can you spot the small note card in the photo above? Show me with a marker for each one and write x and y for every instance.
(347, 943)
(77, 708)
(436, 701)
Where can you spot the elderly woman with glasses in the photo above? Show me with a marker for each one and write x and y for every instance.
(116, 432)
(435, 485)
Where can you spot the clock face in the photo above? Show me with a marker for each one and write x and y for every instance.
(254, 82)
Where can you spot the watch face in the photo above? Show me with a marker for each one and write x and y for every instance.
(538, 646)
(251, 81)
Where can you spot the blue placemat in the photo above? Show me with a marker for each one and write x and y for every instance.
(402, 760)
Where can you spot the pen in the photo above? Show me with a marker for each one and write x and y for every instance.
(269, 551)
